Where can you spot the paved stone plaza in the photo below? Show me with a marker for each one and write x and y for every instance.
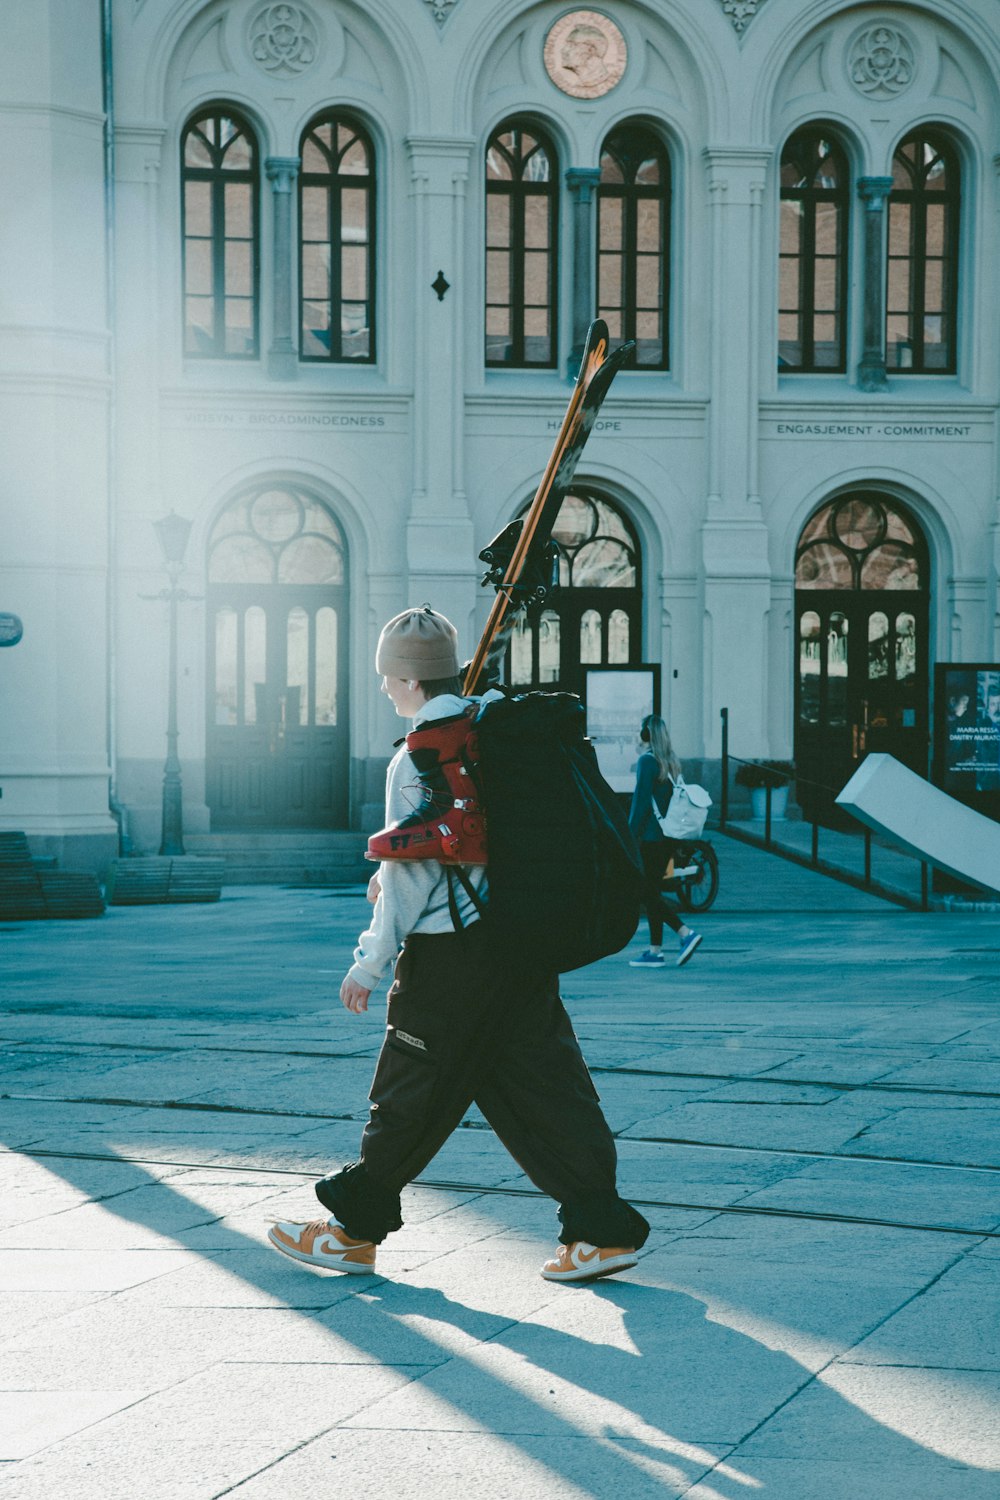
(808, 1114)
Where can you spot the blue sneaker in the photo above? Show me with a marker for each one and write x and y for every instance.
(648, 960)
(688, 945)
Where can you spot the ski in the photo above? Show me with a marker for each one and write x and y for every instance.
(521, 560)
(449, 825)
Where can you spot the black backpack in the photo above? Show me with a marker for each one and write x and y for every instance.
(565, 875)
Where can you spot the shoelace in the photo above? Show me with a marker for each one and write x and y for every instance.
(318, 1226)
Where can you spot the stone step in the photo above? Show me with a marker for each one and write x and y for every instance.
(276, 838)
(286, 857)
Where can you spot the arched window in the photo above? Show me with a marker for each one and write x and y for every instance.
(860, 542)
(522, 175)
(220, 189)
(923, 256)
(594, 616)
(337, 242)
(633, 238)
(812, 280)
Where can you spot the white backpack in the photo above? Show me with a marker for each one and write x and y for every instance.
(685, 817)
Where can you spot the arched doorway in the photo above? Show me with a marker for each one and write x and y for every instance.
(277, 744)
(594, 616)
(862, 591)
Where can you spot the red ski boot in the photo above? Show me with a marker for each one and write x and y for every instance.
(448, 825)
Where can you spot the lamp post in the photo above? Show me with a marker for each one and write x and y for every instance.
(172, 532)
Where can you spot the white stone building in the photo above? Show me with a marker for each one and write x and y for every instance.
(227, 231)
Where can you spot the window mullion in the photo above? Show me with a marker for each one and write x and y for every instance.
(666, 199)
(552, 280)
(918, 271)
(807, 281)
(334, 232)
(630, 269)
(949, 269)
(517, 277)
(840, 321)
(218, 263)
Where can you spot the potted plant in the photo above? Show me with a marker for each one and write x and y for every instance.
(757, 776)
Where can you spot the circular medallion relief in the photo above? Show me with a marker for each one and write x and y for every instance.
(283, 40)
(585, 54)
(881, 61)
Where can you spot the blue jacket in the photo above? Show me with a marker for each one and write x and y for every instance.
(648, 790)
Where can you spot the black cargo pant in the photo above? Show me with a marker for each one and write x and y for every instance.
(461, 1030)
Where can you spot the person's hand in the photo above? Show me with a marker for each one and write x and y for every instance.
(354, 996)
(374, 889)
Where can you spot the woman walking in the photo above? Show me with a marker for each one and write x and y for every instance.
(657, 770)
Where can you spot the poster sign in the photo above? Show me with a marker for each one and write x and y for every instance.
(967, 732)
(11, 630)
(617, 700)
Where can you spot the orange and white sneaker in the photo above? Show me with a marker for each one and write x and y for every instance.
(583, 1262)
(323, 1243)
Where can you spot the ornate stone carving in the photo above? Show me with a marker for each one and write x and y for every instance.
(741, 12)
(585, 54)
(880, 61)
(441, 9)
(284, 40)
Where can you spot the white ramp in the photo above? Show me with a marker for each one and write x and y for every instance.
(894, 800)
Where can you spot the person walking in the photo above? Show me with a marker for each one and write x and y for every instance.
(460, 1029)
(656, 771)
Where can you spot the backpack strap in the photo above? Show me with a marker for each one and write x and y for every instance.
(457, 872)
(456, 919)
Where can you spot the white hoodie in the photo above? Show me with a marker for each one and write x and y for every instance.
(414, 894)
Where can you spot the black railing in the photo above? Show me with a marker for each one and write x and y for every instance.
(813, 860)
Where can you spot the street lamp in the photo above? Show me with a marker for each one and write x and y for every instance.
(173, 532)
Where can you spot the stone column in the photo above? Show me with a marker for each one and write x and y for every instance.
(282, 363)
(993, 597)
(873, 192)
(734, 540)
(55, 455)
(440, 553)
(581, 182)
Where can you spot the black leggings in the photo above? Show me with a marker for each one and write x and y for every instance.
(655, 858)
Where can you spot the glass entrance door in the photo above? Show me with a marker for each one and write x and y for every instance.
(277, 664)
(861, 645)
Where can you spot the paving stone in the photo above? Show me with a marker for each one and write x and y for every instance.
(957, 1070)
(840, 1065)
(785, 1307)
(31, 1420)
(968, 1136)
(504, 1465)
(954, 1323)
(20, 1311)
(150, 1217)
(889, 1191)
(69, 1270)
(917, 1476)
(740, 1237)
(888, 1415)
(206, 1433)
(836, 1124)
(241, 1278)
(623, 1375)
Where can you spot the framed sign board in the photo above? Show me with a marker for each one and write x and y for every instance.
(11, 630)
(617, 700)
(967, 733)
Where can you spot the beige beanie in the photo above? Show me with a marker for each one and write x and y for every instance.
(419, 644)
